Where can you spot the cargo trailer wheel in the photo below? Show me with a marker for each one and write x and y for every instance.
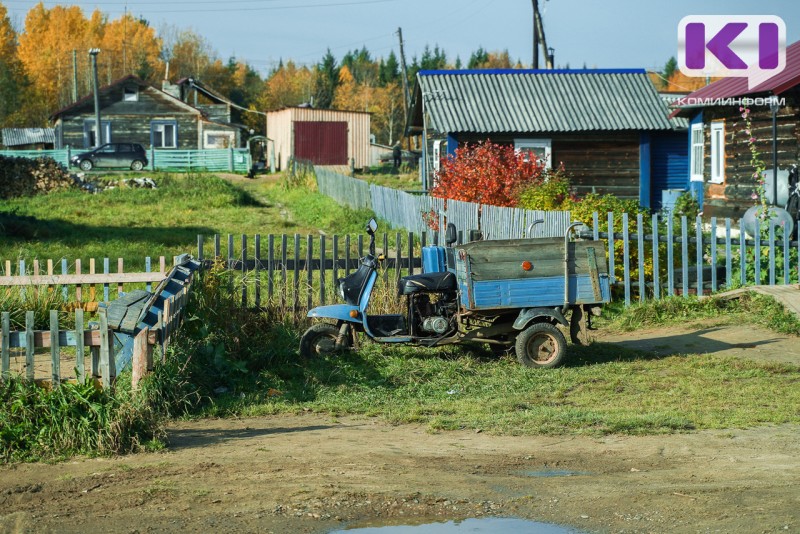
(541, 345)
(319, 340)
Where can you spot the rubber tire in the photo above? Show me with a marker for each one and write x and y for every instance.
(319, 341)
(137, 165)
(547, 341)
(86, 165)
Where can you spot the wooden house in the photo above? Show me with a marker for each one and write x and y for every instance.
(608, 128)
(133, 111)
(322, 136)
(721, 167)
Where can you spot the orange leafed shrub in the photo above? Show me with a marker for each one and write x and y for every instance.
(487, 173)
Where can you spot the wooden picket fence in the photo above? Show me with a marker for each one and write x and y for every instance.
(99, 342)
(683, 257)
(404, 210)
(43, 274)
(49, 355)
(294, 272)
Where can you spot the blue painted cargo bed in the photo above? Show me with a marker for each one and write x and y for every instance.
(526, 273)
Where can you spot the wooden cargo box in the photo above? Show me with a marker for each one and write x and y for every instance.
(491, 274)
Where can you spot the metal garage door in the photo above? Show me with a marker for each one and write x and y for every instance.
(323, 143)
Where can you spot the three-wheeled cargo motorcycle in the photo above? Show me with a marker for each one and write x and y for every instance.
(512, 293)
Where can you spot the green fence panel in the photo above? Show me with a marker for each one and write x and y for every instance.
(61, 156)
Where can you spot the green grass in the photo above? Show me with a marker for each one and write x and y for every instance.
(134, 223)
(603, 389)
(39, 423)
(750, 308)
(386, 176)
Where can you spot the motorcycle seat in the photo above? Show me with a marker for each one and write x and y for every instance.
(429, 282)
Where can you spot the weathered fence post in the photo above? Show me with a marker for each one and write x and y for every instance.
(55, 350)
(4, 346)
(142, 361)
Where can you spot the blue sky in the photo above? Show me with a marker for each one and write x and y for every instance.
(607, 34)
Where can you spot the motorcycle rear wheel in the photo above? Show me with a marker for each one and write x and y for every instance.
(320, 340)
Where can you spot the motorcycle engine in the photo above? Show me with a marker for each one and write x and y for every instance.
(437, 325)
(435, 317)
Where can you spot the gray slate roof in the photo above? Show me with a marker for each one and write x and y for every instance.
(678, 123)
(28, 136)
(509, 101)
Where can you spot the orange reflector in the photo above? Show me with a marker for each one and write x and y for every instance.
(527, 266)
(353, 314)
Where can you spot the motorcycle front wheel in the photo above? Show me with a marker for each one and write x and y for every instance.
(319, 341)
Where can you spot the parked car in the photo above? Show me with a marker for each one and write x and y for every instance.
(128, 155)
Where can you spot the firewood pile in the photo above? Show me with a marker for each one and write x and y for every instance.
(26, 177)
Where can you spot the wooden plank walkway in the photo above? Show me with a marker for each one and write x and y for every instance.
(788, 295)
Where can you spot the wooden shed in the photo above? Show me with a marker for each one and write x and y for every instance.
(322, 136)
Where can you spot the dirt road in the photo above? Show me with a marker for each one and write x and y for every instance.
(312, 473)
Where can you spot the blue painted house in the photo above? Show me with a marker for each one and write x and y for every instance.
(608, 128)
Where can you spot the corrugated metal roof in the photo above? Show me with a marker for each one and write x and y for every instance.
(678, 123)
(28, 136)
(509, 101)
(735, 87)
(130, 78)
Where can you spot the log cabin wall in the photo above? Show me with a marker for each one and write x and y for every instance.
(599, 162)
(131, 121)
(734, 196)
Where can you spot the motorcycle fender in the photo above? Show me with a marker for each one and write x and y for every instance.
(340, 312)
(527, 315)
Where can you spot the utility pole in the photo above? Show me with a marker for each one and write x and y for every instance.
(74, 75)
(124, 40)
(98, 128)
(406, 95)
(538, 32)
(535, 63)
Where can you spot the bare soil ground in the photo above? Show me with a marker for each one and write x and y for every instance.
(312, 473)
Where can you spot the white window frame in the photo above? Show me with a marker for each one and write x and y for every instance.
(208, 133)
(158, 125)
(717, 152)
(697, 153)
(546, 144)
(130, 94)
(89, 128)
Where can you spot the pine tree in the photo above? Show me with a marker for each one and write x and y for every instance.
(478, 58)
(326, 79)
(389, 71)
(669, 69)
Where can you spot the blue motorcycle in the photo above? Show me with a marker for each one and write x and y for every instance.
(504, 293)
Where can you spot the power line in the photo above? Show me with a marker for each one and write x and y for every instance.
(235, 9)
